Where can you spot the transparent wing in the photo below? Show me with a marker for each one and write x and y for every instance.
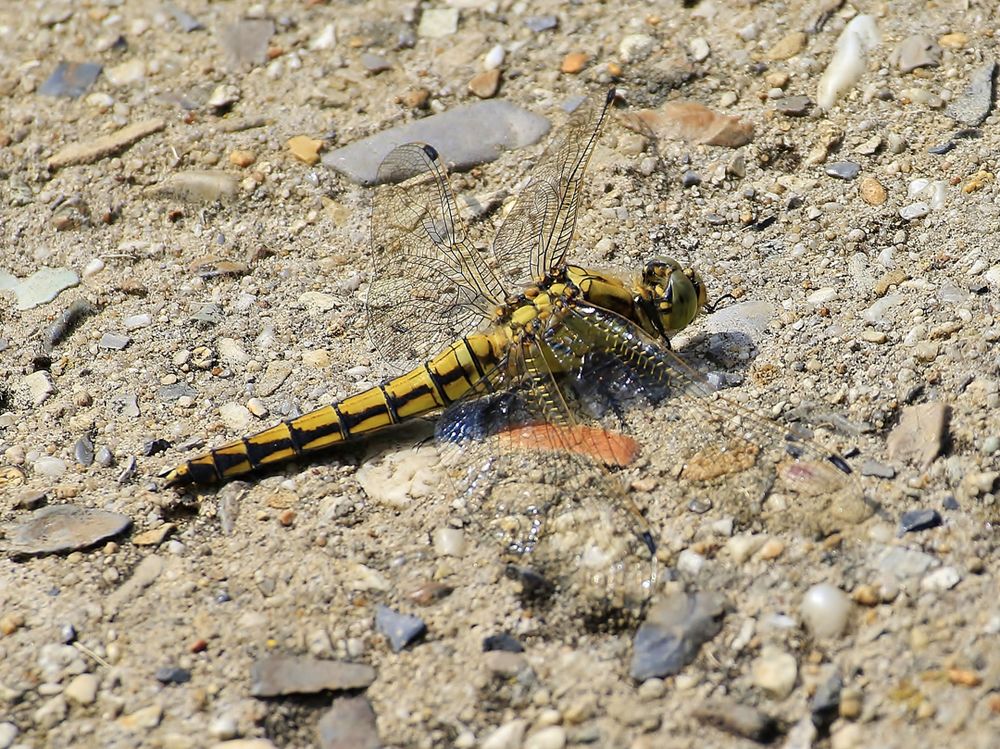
(707, 447)
(533, 475)
(536, 233)
(429, 284)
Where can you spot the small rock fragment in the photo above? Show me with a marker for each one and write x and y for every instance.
(374, 64)
(788, 46)
(872, 191)
(59, 528)
(245, 42)
(438, 22)
(70, 79)
(82, 690)
(305, 149)
(279, 675)
(793, 106)
(88, 152)
(40, 287)
(672, 633)
(114, 341)
(973, 105)
(913, 521)
(693, 122)
(825, 610)
(920, 434)
(843, 169)
(538, 24)
(917, 51)
(636, 47)
(485, 84)
(348, 724)
(574, 62)
(740, 720)
(127, 73)
(914, 211)
(849, 61)
(39, 386)
(775, 671)
(198, 186)
(400, 629)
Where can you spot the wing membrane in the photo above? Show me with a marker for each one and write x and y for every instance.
(535, 235)
(429, 284)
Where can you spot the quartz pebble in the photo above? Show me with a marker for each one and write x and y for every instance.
(775, 671)
(636, 47)
(825, 610)
(436, 23)
(849, 62)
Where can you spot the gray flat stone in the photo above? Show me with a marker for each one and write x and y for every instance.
(70, 79)
(348, 724)
(40, 287)
(673, 632)
(245, 42)
(401, 629)
(280, 675)
(59, 528)
(465, 136)
(973, 105)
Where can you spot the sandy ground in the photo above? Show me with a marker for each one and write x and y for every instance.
(297, 562)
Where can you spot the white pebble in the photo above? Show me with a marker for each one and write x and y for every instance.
(914, 211)
(51, 467)
(553, 737)
(133, 322)
(236, 416)
(494, 58)
(223, 728)
(699, 49)
(636, 47)
(449, 542)
(945, 578)
(825, 610)
(690, 562)
(327, 38)
(857, 39)
(93, 267)
(775, 672)
(507, 736)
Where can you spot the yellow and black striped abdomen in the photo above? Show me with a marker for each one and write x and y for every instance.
(424, 389)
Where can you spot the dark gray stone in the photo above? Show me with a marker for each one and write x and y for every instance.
(973, 105)
(843, 169)
(173, 675)
(912, 521)
(673, 632)
(348, 724)
(60, 528)
(401, 629)
(465, 136)
(71, 79)
(286, 674)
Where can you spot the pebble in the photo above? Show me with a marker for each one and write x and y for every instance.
(172, 675)
(913, 521)
(879, 470)
(793, 106)
(917, 51)
(872, 191)
(83, 451)
(71, 79)
(903, 563)
(114, 341)
(223, 727)
(449, 542)
(104, 457)
(690, 121)
(636, 47)
(223, 96)
(737, 719)
(400, 629)
(944, 578)
(920, 433)
(843, 169)
(82, 690)
(127, 73)
(8, 732)
(508, 736)
(825, 611)
(788, 46)
(673, 632)
(50, 467)
(699, 49)
(305, 149)
(469, 135)
(39, 386)
(198, 186)
(914, 211)
(185, 20)
(277, 675)
(145, 717)
(245, 41)
(538, 24)
(40, 287)
(485, 84)
(348, 724)
(374, 64)
(574, 62)
(236, 416)
(849, 62)
(134, 322)
(774, 671)
(436, 23)
(973, 105)
(502, 642)
(51, 713)
(60, 528)
(494, 58)
(551, 737)
(154, 536)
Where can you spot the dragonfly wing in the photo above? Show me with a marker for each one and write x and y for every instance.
(707, 446)
(532, 473)
(535, 235)
(429, 285)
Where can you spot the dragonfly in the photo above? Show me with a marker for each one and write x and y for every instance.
(544, 377)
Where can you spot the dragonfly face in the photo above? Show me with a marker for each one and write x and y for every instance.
(671, 295)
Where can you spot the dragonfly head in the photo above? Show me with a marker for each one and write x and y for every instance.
(673, 295)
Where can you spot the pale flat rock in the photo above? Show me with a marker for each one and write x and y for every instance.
(973, 105)
(920, 434)
(197, 186)
(98, 148)
(42, 286)
(465, 136)
(348, 724)
(282, 675)
(60, 528)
